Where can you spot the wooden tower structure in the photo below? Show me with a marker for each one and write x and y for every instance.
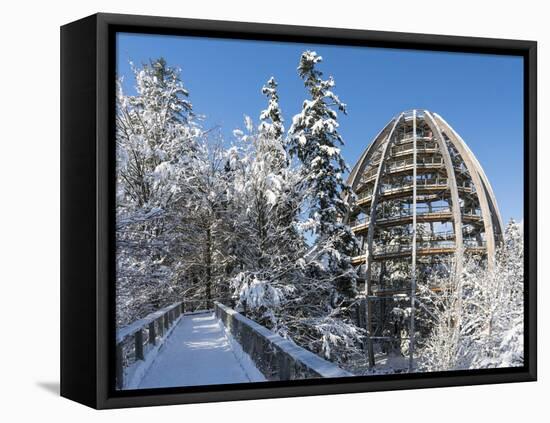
(422, 201)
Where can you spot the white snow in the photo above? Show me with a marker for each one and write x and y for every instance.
(199, 352)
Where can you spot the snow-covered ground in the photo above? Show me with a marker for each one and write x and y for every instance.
(199, 352)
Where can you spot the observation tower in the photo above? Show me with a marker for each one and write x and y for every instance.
(422, 201)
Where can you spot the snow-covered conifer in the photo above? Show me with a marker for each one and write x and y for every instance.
(315, 141)
(267, 195)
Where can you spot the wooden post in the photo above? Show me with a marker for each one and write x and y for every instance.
(208, 254)
(152, 333)
(138, 337)
(370, 346)
(166, 323)
(119, 367)
(160, 321)
(182, 307)
(413, 264)
(284, 367)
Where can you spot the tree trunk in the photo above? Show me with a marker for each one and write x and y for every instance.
(208, 261)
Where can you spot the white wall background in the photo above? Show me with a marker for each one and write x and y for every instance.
(29, 208)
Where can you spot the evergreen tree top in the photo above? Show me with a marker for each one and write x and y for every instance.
(273, 111)
(160, 86)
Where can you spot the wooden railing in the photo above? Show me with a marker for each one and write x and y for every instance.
(137, 340)
(277, 358)
(424, 214)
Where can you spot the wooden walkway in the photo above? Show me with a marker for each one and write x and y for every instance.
(198, 352)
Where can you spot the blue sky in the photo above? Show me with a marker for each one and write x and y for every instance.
(480, 96)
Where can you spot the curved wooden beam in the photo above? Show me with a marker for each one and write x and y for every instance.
(374, 202)
(451, 182)
(370, 238)
(482, 175)
(476, 173)
(355, 174)
(357, 171)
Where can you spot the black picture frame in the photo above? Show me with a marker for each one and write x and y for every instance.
(87, 209)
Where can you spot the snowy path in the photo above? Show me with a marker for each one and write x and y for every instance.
(199, 352)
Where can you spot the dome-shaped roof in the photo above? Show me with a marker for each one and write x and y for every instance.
(421, 193)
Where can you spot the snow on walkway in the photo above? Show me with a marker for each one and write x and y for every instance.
(200, 352)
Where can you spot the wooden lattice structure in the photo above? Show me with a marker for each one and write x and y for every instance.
(423, 200)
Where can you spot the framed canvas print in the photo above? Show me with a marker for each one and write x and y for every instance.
(255, 211)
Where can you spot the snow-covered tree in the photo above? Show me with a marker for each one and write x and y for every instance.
(265, 191)
(478, 320)
(315, 141)
(205, 227)
(156, 140)
(284, 284)
(156, 136)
